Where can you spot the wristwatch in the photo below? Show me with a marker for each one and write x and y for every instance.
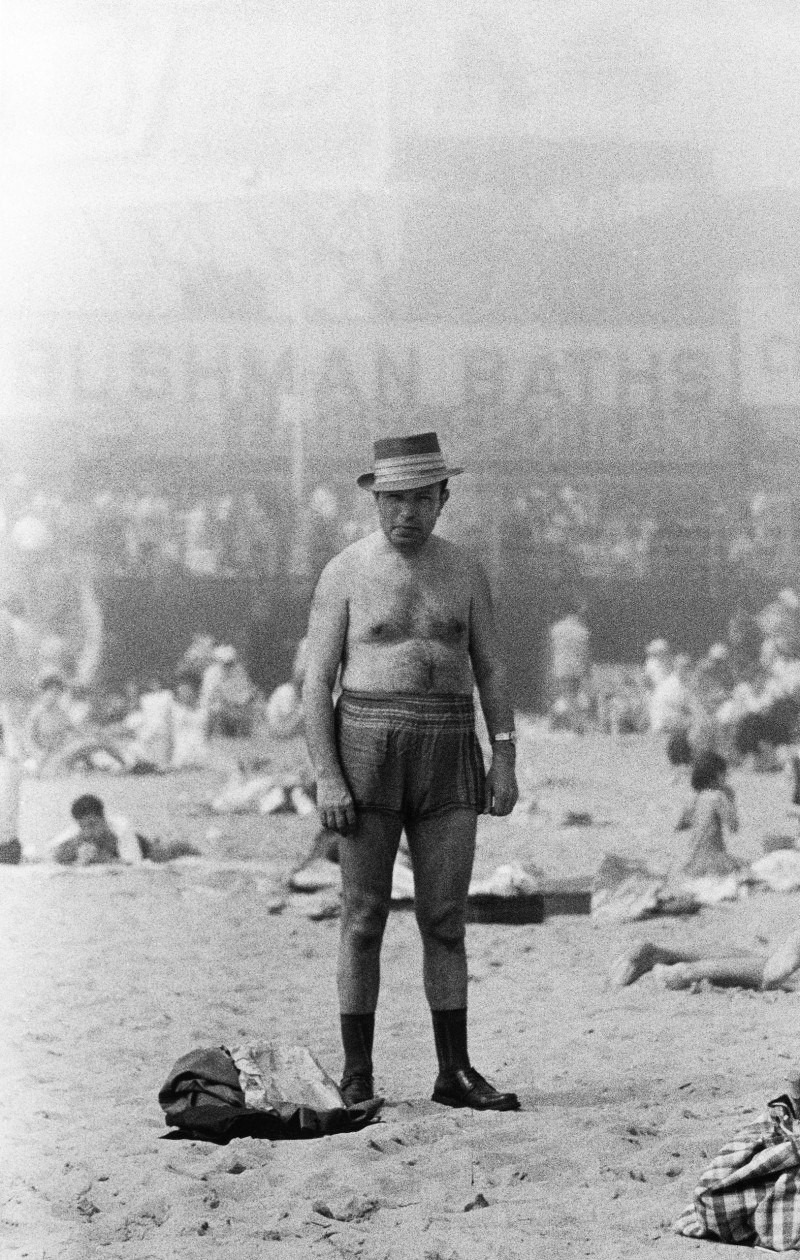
(505, 737)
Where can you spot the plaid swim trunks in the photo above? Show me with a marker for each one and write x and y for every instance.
(414, 756)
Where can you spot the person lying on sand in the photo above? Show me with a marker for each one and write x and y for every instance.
(96, 838)
(680, 968)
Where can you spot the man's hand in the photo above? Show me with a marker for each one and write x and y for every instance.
(501, 784)
(335, 805)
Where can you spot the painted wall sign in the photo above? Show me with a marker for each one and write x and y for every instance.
(565, 392)
(769, 323)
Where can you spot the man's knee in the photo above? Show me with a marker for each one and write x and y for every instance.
(363, 919)
(443, 924)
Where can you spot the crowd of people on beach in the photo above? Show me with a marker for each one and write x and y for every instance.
(161, 725)
(741, 698)
(379, 766)
(259, 534)
(737, 702)
(168, 725)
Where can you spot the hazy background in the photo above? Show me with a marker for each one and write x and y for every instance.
(238, 240)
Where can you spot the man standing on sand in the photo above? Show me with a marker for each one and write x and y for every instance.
(407, 617)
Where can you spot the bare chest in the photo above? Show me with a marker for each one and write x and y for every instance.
(397, 611)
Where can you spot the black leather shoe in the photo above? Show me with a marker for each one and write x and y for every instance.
(357, 1089)
(464, 1087)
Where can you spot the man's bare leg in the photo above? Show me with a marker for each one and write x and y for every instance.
(751, 971)
(630, 966)
(782, 963)
(744, 972)
(366, 859)
(442, 854)
(679, 969)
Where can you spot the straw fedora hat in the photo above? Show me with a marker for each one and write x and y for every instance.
(407, 463)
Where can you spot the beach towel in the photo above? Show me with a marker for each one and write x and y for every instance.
(750, 1193)
(624, 890)
(260, 1091)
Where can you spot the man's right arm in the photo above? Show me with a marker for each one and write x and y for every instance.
(327, 635)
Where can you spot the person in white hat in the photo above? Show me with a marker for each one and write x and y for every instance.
(407, 618)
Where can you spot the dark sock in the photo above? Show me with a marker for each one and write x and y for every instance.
(358, 1032)
(450, 1035)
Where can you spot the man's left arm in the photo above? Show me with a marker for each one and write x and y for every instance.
(490, 676)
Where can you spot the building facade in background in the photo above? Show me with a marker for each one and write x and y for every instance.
(247, 240)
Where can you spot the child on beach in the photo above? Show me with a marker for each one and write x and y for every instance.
(711, 812)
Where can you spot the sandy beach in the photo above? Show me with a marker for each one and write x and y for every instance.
(111, 974)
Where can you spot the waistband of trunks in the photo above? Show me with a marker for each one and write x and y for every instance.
(436, 708)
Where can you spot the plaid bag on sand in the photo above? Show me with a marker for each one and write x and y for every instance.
(750, 1193)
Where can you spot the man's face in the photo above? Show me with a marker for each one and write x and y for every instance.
(407, 517)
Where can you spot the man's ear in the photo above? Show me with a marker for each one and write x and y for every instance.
(444, 495)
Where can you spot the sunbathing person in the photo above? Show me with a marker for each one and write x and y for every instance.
(227, 695)
(59, 736)
(95, 838)
(190, 747)
(49, 723)
(711, 812)
(284, 708)
(681, 968)
(150, 724)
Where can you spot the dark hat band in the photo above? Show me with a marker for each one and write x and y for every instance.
(407, 463)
